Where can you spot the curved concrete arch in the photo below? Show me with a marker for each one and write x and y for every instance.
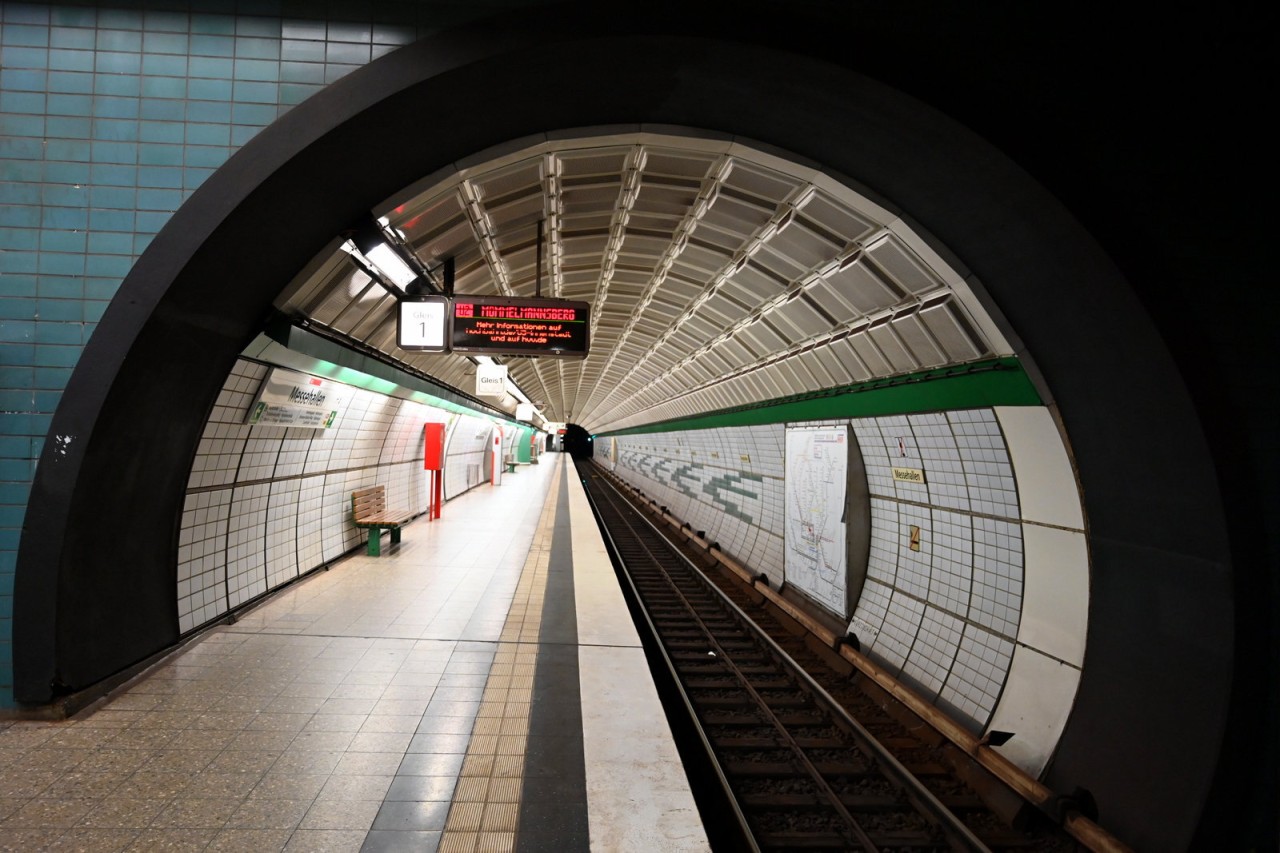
(123, 437)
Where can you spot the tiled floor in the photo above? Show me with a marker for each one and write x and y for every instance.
(337, 716)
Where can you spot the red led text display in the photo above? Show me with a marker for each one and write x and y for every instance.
(519, 326)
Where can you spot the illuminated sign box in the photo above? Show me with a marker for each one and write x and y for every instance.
(421, 324)
(519, 326)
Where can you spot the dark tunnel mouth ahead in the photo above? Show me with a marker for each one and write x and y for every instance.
(128, 424)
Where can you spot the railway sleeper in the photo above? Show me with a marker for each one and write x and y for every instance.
(733, 742)
(786, 769)
(853, 802)
(701, 682)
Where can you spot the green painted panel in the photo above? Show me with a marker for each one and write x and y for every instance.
(995, 382)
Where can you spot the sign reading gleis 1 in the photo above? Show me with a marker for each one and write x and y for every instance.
(421, 324)
(292, 399)
(491, 380)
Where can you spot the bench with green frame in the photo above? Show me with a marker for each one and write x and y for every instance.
(369, 510)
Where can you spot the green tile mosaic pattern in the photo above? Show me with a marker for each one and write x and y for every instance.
(109, 119)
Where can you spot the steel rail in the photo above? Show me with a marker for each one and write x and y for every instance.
(740, 819)
(921, 796)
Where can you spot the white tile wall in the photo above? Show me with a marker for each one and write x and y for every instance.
(266, 504)
(467, 455)
(726, 482)
(945, 616)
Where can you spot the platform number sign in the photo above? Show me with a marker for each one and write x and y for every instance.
(421, 324)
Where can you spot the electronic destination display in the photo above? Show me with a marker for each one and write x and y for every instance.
(519, 326)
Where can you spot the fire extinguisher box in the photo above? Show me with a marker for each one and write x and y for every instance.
(433, 455)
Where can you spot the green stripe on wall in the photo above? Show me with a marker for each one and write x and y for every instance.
(995, 382)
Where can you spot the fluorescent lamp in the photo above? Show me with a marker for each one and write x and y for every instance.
(390, 264)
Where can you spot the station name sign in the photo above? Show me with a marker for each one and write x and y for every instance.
(495, 325)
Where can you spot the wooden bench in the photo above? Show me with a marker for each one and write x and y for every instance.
(369, 510)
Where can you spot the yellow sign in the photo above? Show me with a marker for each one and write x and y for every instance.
(908, 475)
(915, 538)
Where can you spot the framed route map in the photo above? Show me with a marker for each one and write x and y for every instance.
(815, 542)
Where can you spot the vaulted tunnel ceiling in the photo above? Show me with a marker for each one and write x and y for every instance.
(718, 276)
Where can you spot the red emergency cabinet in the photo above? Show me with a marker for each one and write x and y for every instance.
(433, 455)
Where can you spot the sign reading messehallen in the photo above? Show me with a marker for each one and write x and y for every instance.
(292, 399)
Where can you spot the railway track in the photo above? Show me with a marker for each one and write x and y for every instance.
(798, 770)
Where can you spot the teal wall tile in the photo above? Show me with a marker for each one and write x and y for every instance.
(108, 106)
(159, 21)
(17, 309)
(69, 127)
(27, 57)
(208, 134)
(53, 263)
(240, 134)
(302, 51)
(206, 156)
(159, 199)
(122, 85)
(70, 60)
(19, 216)
(213, 111)
(25, 14)
(151, 222)
(341, 31)
(212, 45)
(119, 40)
(69, 105)
(18, 238)
(23, 80)
(113, 174)
(257, 69)
(76, 38)
(77, 150)
(209, 90)
(165, 65)
(20, 170)
(20, 193)
(68, 331)
(117, 63)
(258, 93)
(258, 48)
(22, 125)
(12, 331)
(110, 220)
(152, 154)
(107, 243)
(347, 54)
(100, 288)
(162, 87)
(71, 82)
(262, 27)
(114, 152)
(17, 262)
(63, 241)
(22, 102)
(24, 36)
(109, 119)
(73, 17)
(259, 114)
(55, 287)
(160, 176)
(118, 130)
(214, 67)
(63, 217)
(163, 110)
(165, 42)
